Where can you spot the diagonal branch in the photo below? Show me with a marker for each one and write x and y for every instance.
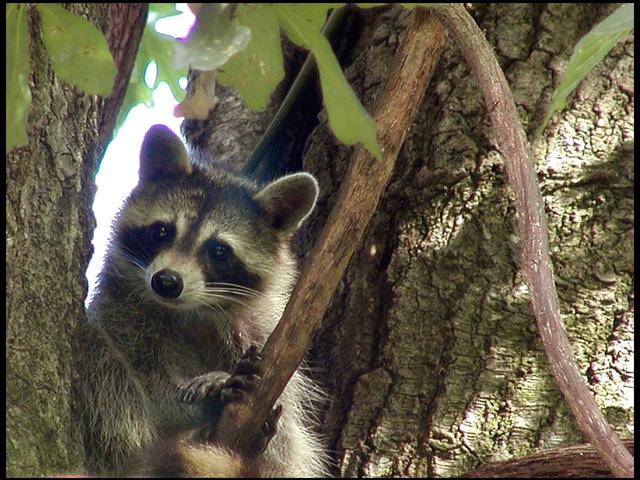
(532, 223)
(394, 113)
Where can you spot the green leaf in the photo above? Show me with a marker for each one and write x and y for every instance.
(154, 47)
(619, 21)
(347, 117)
(78, 50)
(256, 71)
(314, 13)
(587, 54)
(213, 39)
(18, 100)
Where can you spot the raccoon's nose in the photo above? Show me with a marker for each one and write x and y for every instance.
(167, 283)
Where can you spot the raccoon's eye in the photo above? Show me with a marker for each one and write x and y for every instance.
(218, 252)
(161, 232)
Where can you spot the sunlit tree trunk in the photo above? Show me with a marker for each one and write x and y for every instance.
(430, 351)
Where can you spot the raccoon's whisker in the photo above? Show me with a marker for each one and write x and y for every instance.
(235, 287)
(225, 284)
(116, 271)
(230, 288)
(143, 249)
(227, 297)
(208, 294)
(133, 261)
(218, 309)
(232, 291)
(215, 307)
(128, 255)
(134, 291)
(223, 291)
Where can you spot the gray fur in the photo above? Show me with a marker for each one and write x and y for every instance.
(142, 347)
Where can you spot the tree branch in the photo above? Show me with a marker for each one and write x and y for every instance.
(126, 25)
(532, 223)
(579, 461)
(366, 180)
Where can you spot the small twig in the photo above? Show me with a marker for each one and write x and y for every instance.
(532, 223)
(413, 68)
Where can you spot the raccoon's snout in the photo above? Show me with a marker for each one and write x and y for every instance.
(167, 283)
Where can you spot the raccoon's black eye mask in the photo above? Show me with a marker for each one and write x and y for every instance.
(218, 251)
(143, 243)
(161, 232)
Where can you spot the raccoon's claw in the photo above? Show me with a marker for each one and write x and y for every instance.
(270, 426)
(267, 432)
(202, 387)
(221, 385)
(236, 388)
(250, 362)
(245, 378)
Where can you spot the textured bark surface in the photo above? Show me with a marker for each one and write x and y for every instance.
(50, 190)
(430, 350)
(535, 261)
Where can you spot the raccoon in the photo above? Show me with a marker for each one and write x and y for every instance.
(198, 269)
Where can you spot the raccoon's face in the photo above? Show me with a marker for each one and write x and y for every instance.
(195, 238)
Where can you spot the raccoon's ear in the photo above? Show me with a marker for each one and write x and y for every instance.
(288, 200)
(162, 155)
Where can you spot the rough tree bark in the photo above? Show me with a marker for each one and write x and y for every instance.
(429, 351)
(430, 348)
(50, 191)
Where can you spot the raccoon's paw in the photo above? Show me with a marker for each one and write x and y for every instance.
(202, 387)
(268, 430)
(244, 379)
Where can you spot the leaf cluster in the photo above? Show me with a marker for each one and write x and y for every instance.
(72, 43)
(253, 69)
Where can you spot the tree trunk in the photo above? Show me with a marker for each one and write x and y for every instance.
(430, 351)
(50, 190)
